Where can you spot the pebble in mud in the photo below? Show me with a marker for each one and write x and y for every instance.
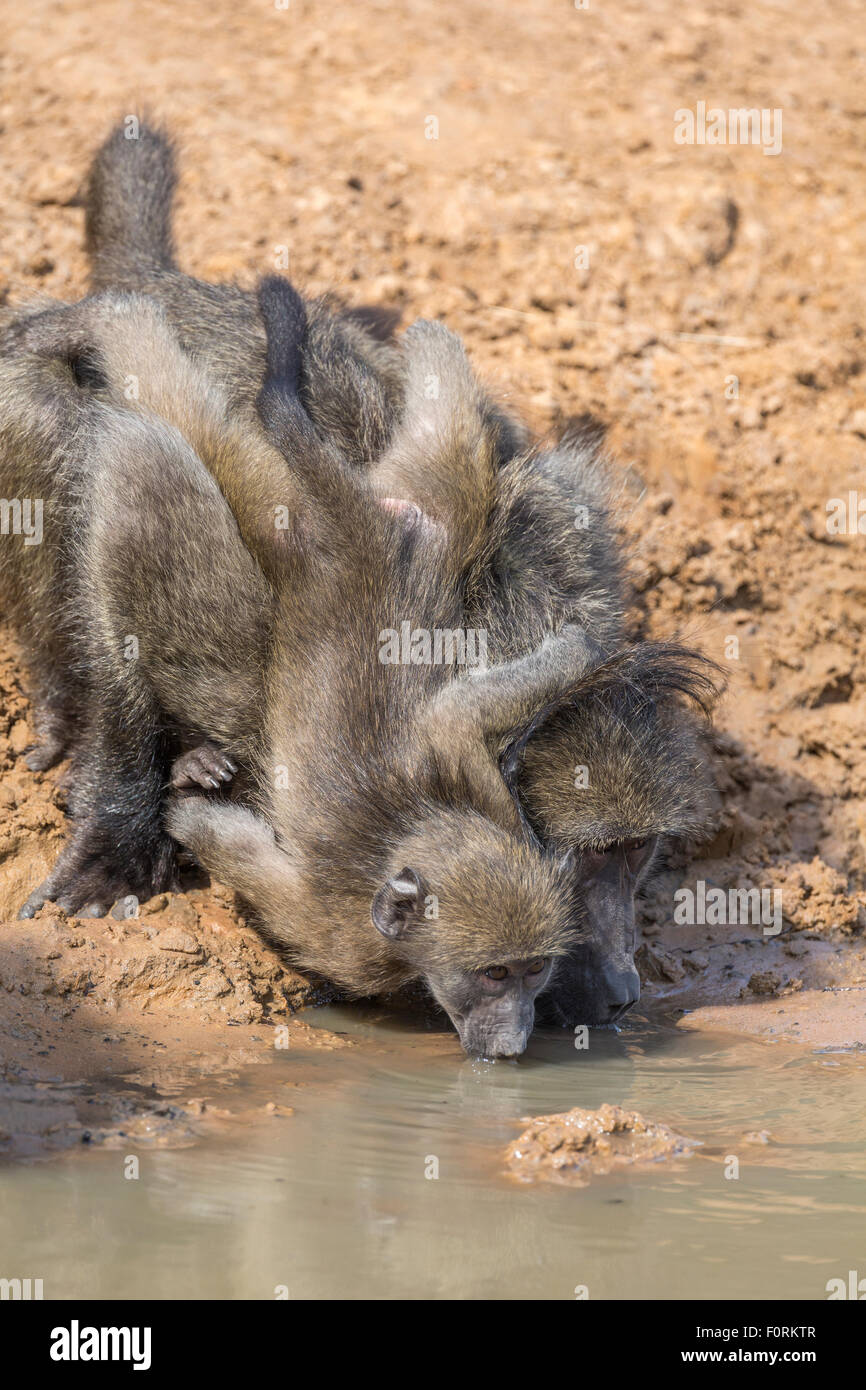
(580, 1144)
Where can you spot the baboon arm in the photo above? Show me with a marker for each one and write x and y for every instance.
(476, 712)
(442, 456)
(239, 849)
(490, 703)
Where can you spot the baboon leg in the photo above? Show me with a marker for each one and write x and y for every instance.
(179, 580)
(117, 846)
(57, 695)
(443, 455)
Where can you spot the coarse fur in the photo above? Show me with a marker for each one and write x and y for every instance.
(543, 546)
(365, 783)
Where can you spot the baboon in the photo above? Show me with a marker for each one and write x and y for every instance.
(618, 768)
(544, 550)
(57, 440)
(370, 789)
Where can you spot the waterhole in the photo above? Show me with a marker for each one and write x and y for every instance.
(387, 1179)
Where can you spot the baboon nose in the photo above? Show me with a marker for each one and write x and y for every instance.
(623, 992)
(500, 1047)
(619, 1010)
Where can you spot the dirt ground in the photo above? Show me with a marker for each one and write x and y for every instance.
(705, 302)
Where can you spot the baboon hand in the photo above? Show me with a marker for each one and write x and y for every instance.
(207, 767)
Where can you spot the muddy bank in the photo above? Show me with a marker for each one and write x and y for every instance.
(75, 1072)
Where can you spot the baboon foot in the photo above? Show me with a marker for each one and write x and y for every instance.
(55, 727)
(207, 767)
(47, 753)
(91, 875)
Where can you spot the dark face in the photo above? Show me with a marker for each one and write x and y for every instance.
(494, 1010)
(599, 983)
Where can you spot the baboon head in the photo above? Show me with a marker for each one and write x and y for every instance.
(484, 918)
(609, 775)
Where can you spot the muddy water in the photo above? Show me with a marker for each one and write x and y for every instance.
(332, 1201)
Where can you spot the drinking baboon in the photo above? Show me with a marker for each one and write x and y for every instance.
(542, 548)
(367, 785)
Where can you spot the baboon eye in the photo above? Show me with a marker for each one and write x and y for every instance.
(535, 967)
(497, 972)
(635, 853)
(596, 856)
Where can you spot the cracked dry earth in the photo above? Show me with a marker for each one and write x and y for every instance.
(714, 323)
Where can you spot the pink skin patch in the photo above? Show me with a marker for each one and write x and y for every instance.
(410, 510)
(414, 518)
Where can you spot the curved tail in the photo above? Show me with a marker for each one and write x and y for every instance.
(128, 205)
(285, 320)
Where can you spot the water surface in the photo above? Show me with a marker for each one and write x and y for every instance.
(334, 1202)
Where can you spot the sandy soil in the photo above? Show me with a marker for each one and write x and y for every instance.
(306, 128)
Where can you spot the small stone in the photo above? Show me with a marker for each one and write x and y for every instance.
(765, 982)
(751, 418)
(174, 939)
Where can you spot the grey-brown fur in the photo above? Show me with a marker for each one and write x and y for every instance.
(546, 554)
(60, 442)
(387, 774)
(44, 427)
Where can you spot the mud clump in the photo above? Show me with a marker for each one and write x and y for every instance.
(580, 1144)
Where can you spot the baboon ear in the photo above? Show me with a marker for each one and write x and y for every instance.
(397, 904)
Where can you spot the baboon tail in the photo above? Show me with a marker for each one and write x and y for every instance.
(128, 202)
(285, 320)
